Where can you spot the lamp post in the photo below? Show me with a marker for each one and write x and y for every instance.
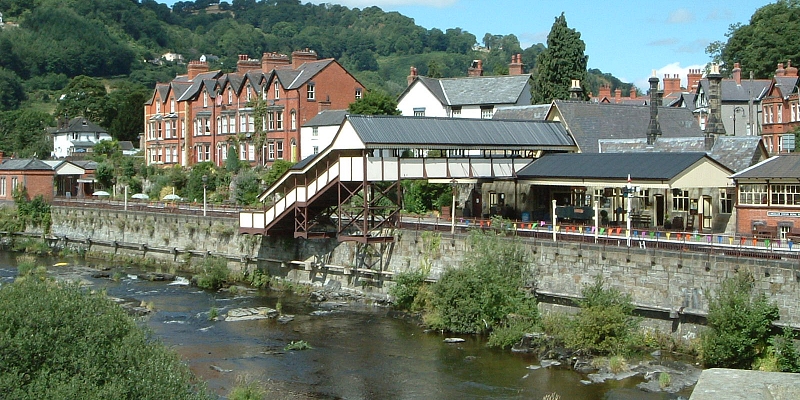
(205, 183)
(735, 110)
(454, 184)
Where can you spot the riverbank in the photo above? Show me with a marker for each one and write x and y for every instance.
(359, 350)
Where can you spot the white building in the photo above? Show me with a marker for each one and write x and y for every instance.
(318, 132)
(475, 96)
(79, 135)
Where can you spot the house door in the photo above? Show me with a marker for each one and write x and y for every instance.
(476, 204)
(659, 200)
(708, 213)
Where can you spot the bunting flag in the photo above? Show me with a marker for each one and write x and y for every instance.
(766, 242)
(602, 231)
(668, 235)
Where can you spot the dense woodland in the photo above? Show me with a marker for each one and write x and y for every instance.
(105, 52)
(50, 43)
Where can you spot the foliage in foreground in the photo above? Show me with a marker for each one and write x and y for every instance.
(61, 342)
(487, 290)
(739, 325)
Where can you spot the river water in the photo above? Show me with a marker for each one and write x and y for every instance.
(359, 352)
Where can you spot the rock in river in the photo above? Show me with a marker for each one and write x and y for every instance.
(245, 314)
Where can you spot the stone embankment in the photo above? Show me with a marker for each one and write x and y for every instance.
(670, 287)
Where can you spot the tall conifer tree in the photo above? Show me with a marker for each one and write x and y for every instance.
(562, 61)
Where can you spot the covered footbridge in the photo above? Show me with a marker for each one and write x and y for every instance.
(351, 190)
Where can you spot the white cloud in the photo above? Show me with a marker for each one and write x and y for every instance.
(669, 69)
(390, 3)
(527, 39)
(680, 16)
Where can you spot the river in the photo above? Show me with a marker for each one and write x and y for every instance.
(359, 352)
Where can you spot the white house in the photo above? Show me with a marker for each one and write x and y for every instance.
(318, 132)
(77, 136)
(474, 96)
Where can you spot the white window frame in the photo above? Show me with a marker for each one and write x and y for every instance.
(311, 91)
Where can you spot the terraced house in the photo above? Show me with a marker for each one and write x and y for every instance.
(256, 111)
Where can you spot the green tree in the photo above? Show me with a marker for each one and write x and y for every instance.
(374, 103)
(123, 111)
(562, 61)
(248, 187)
(739, 324)
(66, 342)
(11, 91)
(278, 168)
(22, 133)
(83, 97)
(107, 150)
(767, 39)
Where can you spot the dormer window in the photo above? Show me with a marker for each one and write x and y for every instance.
(172, 106)
(205, 99)
(158, 107)
(310, 92)
(230, 97)
(248, 93)
(277, 91)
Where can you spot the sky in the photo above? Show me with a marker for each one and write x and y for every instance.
(628, 39)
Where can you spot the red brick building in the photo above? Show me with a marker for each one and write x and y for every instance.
(203, 115)
(769, 198)
(780, 110)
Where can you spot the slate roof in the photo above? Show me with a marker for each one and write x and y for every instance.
(733, 92)
(523, 113)
(786, 84)
(640, 166)
(685, 100)
(782, 166)
(327, 118)
(734, 152)
(25, 164)
(294, 78)
(387, 131)
(80, 124)
(588, 122)
(86, 164)
(500, 89)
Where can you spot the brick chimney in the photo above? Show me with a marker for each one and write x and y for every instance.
(693, 79)
(653, 127)
(515, 68)
(299, 57)
(575, 90)
(604, 91)
(618, 95)
(476, 68)
(790, 70)
(196, 68)
(737, 73)
(270, 61)
(632, 93)
(245, 64)
(780, 71)
(714, 125)
(672, 84)
(412, 75)
(325, 104)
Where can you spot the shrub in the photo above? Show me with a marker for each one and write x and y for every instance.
(664, 380)
(63, 342)
(214, 273)
(407, 288)
(739, 324)
(785, 351)
(604, 323)
(511, 331)
(298, 345)
(486, 289)
(246, 389)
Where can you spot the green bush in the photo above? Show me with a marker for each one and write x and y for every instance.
(739, 324)
(407, 288)
(511, 331)
(487, 289)
(604, 324)
(246, 389)
(785, 351)
(214, 273)
(63, 342)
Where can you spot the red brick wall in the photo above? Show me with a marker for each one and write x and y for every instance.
(36, 182)
(746, 215)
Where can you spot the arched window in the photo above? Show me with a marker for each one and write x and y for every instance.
(293, 118)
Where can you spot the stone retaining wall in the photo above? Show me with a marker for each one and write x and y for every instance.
(666, 284)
